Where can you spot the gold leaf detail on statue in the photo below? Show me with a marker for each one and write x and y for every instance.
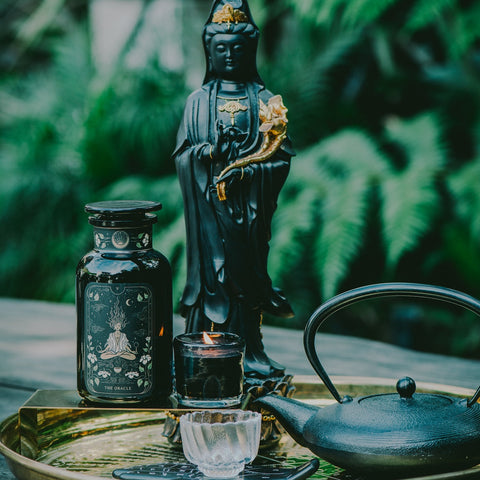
(232, 107)
(229, 15)
(273, 126)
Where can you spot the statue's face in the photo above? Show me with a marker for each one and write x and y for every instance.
(229, 55)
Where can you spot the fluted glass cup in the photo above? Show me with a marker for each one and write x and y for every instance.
(220, 442)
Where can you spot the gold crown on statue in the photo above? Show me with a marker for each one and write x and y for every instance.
(229, 15)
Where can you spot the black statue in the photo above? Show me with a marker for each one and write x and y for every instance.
(232, 159)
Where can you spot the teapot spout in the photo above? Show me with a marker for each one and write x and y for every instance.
(292, 414)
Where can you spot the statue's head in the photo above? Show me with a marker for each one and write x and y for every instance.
(230, 40)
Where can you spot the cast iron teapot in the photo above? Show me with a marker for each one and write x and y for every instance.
(391, 434)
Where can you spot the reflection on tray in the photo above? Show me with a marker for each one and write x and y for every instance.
(98, 442)
(180, 471)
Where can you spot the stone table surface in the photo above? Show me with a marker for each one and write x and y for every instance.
(38, 351)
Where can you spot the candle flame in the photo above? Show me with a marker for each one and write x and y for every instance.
(207, 339)
(162, 330)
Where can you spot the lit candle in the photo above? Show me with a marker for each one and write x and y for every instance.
(209, 369)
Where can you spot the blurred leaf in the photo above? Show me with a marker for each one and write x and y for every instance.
(463, 185)
(410, 198)
(132, 124)
(169, 232)
(293, 220)
(424, 11)
(365, 11)
(34, 26)
(342, 232)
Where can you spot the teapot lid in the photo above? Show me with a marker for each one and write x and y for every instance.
(405, 403)
(407, 411)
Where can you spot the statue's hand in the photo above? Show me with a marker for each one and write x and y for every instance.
(226, 146)
(232, 177)
(236, 175)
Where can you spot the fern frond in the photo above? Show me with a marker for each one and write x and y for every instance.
(292, 222)
(326, 11)
(39, 21)
(308, 171)
(352, 12)
(132, 124)
(410, 200)
(304, 80)
(421, 140)
(306, 9)
(72, 69)
(424, 12)
(343, 223)
(332, 181)
(409, 204)
(354, 151)
(463, 186)
(361, 12)
(461, 30)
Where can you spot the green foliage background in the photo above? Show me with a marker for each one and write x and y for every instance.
(384, 102)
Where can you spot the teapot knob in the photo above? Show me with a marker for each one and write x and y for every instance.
(406, 387)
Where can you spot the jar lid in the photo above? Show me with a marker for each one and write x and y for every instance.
(122, 207)
(116, 212)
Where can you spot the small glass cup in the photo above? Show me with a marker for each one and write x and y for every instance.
(220, 442)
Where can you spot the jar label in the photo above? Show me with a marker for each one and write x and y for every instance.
(126, 240)
(118, 339)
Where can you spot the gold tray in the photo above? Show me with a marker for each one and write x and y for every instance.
(73, 442)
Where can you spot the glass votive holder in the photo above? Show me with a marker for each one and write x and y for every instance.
(209, 369)
(220, 442)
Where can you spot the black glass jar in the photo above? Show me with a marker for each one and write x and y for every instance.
(124, 309)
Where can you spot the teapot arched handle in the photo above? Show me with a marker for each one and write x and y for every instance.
(378, 290)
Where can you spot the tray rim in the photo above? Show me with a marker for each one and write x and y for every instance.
(16, 461)
(19, 463)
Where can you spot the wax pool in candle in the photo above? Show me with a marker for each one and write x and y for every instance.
(208, 371)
